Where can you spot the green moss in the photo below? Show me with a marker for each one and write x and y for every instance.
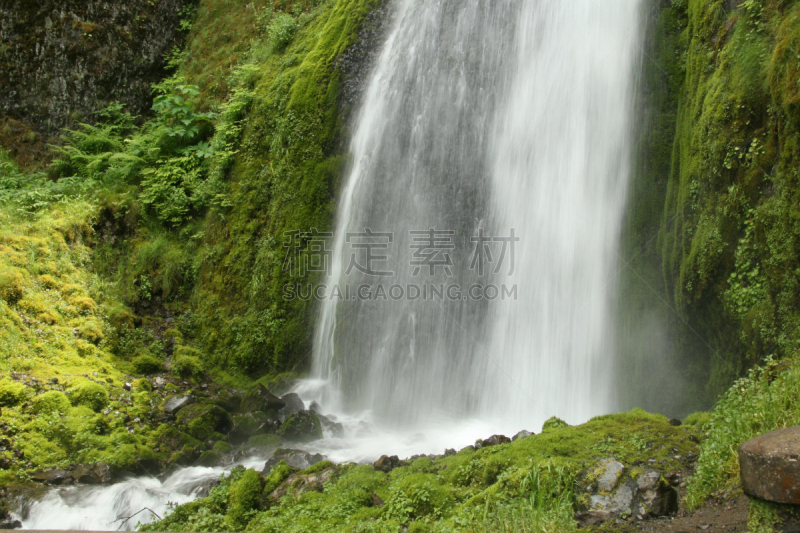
(264, 440)
(698, 419)
(142, 385)
(283, 178)
(12, 392)
(187, 363)
(12, 284)
(553, 423)
(128, 457)
(523, 485)
(203, 421)
(147, 364)
(208, 458)
(89, 394)
(51, 402)
(221, 447)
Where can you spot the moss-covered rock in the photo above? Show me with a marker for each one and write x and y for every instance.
(51, 402)
(553, 423)
(12, 392)
(203, 421)
(303, 426)
(187, 363)
(89, 394)
(147, 364)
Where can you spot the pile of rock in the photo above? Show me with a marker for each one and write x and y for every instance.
(609, 489)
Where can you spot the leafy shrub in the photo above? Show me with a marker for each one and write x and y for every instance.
(281, 31)
(12, 392)
(768, 398)
(147, 364)
(50, 402)
(244, 499)
(276, 476)
(415, 497)
(90, 394)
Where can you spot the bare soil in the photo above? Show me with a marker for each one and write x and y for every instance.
(715, 516)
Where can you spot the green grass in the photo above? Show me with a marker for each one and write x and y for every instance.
(768, 398)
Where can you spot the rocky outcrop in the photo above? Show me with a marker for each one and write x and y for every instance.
(303, 426)
(249, 424)
(261, 399)
(770, 466)
(494, 440)
(62, 61)
(293, 404)
(294, 458)
(387, 463)
(609, 489)
(95, 473)
(299, 483)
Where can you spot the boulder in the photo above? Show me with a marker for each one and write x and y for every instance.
(202, 421)
(230, 400)
(387, 463)
(494, 440)
(521, 435)
(208, 458)
(609, 490)
(334, 428)
(293, 404)
(10, 523)
(303, 426)
(770, 466)
(248, 424)
(94, 474)
(261, 399)
(54, 476)
(178, 402)
(299, 483)
(294, 458)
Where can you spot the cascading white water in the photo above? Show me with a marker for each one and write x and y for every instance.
(122, 505)
(493, 117)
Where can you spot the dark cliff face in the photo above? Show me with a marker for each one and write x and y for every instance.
(62, 60)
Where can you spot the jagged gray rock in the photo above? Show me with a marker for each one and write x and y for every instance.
(610, 489)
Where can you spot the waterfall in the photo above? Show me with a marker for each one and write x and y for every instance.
(491, 151)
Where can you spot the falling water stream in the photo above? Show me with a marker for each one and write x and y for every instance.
(502, 130)
(491, 150)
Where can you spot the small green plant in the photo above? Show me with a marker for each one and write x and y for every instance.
(281, 31)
